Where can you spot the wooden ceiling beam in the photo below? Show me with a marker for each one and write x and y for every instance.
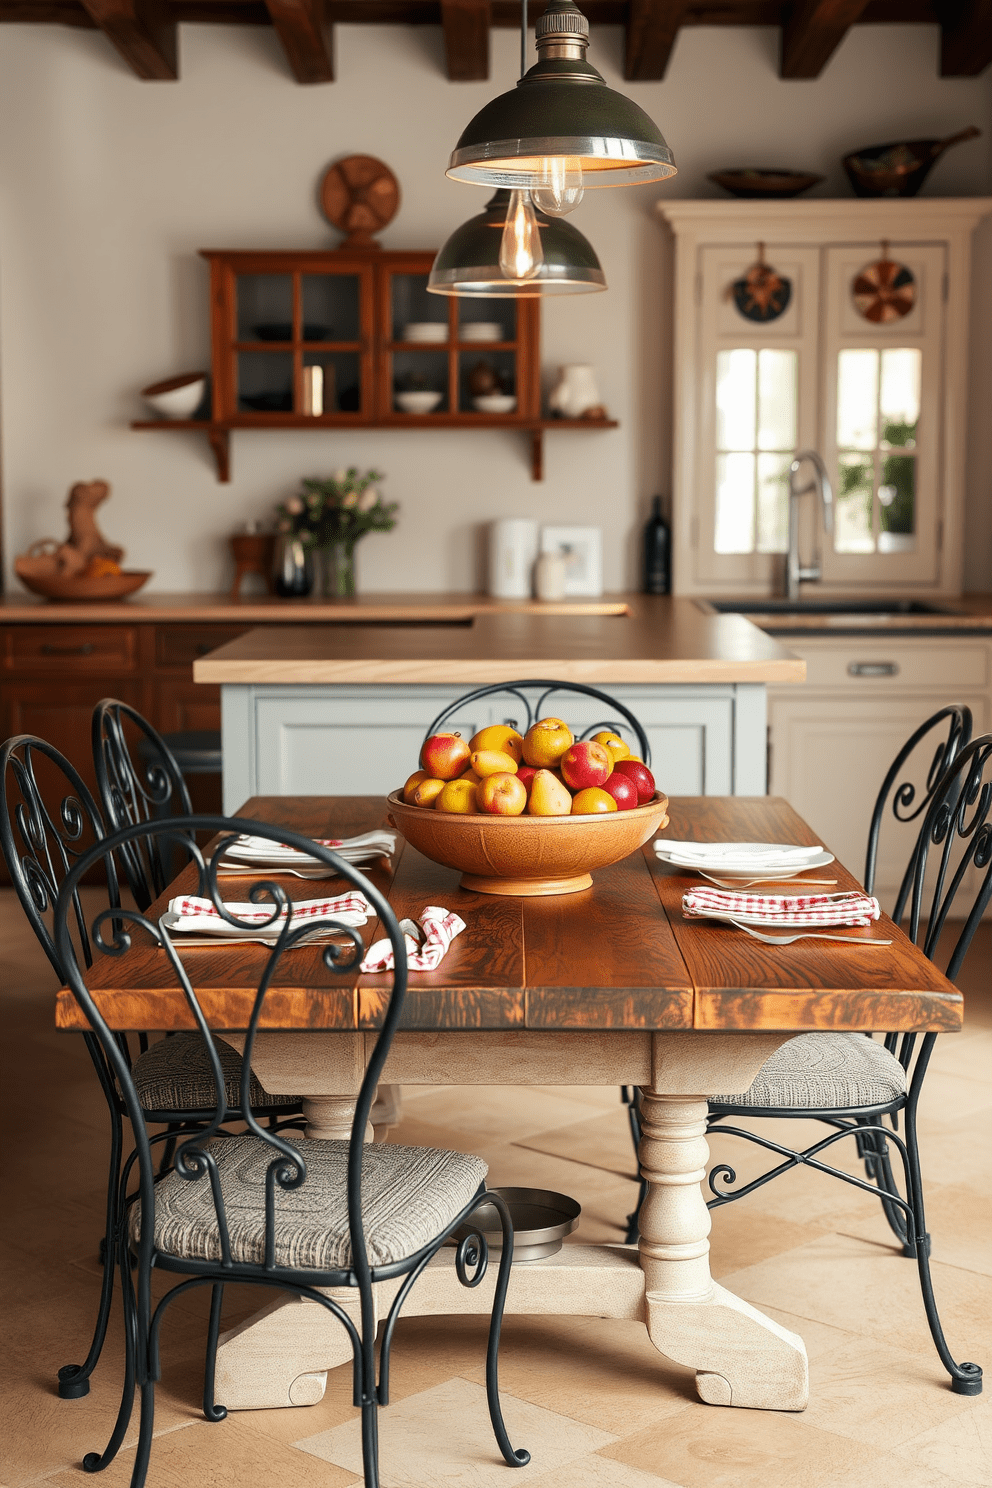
(307, 38)
(144, 32)
(652, 26)
(966, 39)
(812, 32)
(466, 39)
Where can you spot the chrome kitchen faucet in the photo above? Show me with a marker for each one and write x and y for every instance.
(795, 574)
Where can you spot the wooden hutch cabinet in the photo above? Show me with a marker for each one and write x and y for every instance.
(367, 322)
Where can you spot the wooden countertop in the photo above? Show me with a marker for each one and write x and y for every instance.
(642, 638)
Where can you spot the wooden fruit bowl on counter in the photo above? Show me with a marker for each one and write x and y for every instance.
(526, 855)
(78, 587)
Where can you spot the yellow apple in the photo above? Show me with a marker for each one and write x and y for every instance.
(546, 742)
(412, 783)
(613, 744)
(457, 797)
(594, 801)
(427, 792)
(444, 756)
(499, 736)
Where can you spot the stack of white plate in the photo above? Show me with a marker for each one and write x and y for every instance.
(260, 855)
(480, 330)
(742, 860)
(425, 330)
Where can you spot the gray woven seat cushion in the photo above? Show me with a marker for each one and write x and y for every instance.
(410, 1195)
(175, 1075)
(825, 1070)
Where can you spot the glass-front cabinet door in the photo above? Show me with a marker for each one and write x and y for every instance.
(293, 338)
(882, 416)
(442, 358)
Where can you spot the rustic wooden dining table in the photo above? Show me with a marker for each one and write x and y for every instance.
(609, 986)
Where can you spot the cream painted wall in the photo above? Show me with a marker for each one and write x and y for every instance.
(108, 186)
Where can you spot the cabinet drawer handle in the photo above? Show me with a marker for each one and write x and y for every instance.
(873, 669)
(86, 649)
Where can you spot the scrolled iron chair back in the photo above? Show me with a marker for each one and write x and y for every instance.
(42, 842)
(957, 832)
(534, 708)
(133, 792)
(906, 801)
(112, 935)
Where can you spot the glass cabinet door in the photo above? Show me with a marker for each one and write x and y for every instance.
(302, 341)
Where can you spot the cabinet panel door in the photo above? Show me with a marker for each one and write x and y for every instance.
(61, 714)
(829, 757)
(181, 645)
(186, 705)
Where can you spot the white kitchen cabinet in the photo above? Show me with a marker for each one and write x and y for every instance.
(832, 741)
(314, 739)
(883, 402)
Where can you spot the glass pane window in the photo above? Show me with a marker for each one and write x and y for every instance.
(878, 412)
(756, 417)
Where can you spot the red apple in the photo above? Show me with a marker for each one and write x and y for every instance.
(501, 795)
(444, 756)
(585, 764)
(640, 775)
(526, 773)
(622, 789)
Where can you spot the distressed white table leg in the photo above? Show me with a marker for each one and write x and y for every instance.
(330, 1116)
(387, 1110)
(741, 1357)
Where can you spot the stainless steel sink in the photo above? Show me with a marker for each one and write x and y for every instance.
(829, 607)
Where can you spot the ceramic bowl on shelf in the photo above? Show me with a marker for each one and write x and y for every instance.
(426, 330)
(480, 330)
(526, 856)
(78, 587)
(176, 397)
(764, 183)
(494, 403)
(418, 402)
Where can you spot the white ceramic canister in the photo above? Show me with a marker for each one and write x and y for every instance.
(575, 391)
(550, 573)
(512, 550)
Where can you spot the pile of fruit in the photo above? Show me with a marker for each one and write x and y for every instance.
(545, 772)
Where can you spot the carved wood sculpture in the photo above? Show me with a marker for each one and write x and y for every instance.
(48, 559)
(360, 195)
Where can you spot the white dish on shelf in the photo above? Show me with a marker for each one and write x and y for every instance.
(480, 330)
(494, 403)
(176, 397)
(426, 330)
(418, 402)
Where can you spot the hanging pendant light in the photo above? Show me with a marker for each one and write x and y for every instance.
(561, 130)
(513, 249)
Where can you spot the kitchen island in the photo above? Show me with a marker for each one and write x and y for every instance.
(341, 707)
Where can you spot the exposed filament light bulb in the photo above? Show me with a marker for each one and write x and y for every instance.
(520, 252)
(562, 187)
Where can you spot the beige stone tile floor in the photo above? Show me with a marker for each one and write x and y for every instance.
(591, 1399)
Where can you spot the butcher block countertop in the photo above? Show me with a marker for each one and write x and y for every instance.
(625, 639)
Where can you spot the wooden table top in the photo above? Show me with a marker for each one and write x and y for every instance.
(617, 956)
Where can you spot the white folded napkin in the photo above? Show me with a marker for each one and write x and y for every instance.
(849, 908)
(440, 926)
(749, 853)
(262, 852)
(189, 914)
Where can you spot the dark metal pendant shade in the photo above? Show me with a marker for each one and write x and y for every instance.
(469, 265)
(561, 108)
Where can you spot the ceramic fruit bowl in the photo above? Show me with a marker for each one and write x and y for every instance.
(77, 587)
(526, 855)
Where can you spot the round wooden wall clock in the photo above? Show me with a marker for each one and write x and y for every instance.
(360, 195)
(884, 291)
(763, 294)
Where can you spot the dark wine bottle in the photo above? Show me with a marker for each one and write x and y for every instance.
(657, 552)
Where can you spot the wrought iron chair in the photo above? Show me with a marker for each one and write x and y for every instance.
(529, 697)
(44, 828)
(318, 1239)
(851, 1082)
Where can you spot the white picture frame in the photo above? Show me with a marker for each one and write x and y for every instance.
(583, 551)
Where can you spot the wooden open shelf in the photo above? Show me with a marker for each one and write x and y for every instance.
(219, 432)
(360, 303)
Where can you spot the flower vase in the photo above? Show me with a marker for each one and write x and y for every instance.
(339, 570)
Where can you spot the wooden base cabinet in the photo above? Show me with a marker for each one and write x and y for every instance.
(832, 741)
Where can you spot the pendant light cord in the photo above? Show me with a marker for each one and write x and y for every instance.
(523, 37)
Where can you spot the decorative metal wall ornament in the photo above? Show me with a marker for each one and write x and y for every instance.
(763, 294)
(884, 291)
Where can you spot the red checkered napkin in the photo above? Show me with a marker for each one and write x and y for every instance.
(781, 909)
(440, 928)
(191, 913)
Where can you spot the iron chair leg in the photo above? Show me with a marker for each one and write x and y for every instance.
(519, 1457)
(74, 1379)
(874, 1150)
(211, 1409)
(630, 1096)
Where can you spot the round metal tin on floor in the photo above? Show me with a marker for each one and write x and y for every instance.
(541, 1220)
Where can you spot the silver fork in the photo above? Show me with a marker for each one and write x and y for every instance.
(745, 883)
(805, 935)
